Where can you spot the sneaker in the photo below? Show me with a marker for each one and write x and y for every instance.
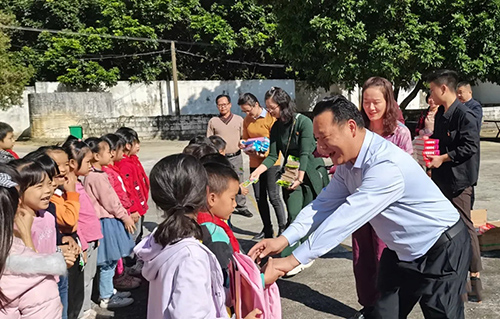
(89, 314)
(136, 270)
(126, 282)
(365, 313)
(122, 294)
(298, 269)
(115, 302)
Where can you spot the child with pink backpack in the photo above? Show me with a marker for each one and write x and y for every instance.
(247, 288)
(185, 279)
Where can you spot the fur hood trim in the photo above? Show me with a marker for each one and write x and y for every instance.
(36, 264)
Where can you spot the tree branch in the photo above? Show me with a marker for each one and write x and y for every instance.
(412, 95)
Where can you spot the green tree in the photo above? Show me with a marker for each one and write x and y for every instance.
(234, 30)
(347, 41)
(14, 76)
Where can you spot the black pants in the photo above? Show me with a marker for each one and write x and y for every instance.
(266, 186)
(435, 280)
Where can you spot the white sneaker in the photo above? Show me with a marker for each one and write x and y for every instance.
(298, 269)
(122, 294)
(89, 314)
(115, 302)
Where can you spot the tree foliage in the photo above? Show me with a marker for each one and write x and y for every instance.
(235, 30)
(347, 41)
(13, 74)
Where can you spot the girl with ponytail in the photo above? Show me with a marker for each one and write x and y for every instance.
(185, 278)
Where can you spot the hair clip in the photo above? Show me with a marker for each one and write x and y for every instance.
(6, 181)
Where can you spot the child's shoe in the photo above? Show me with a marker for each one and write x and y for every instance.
(115, 302)
(89, 314)
(122, 294)
(136, 270)
(126, 282)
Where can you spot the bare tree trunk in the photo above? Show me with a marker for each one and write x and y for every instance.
(412, 95)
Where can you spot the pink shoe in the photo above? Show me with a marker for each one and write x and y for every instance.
(126, 282)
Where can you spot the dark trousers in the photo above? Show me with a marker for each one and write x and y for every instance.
(462, 203)
(436, 281)
(367, 249)
(237, 162)
(266, 186)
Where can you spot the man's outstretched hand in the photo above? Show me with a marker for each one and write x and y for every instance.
(268, 247)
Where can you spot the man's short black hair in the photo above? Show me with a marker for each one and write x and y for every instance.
(218, 142)
(446, 77)
(221, 96)
(4, 130)
(219, 176)
(342, 109)
(463, 83)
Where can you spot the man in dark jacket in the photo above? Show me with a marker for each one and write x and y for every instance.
(456, 170)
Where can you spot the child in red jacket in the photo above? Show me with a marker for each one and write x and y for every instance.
(135, 178)
(122, 281)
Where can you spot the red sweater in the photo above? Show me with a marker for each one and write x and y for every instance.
(136, 182)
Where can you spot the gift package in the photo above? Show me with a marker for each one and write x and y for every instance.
(423, 146)
(290, 172)
(257, 144)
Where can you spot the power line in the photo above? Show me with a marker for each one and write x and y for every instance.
(141, 39)
(107, 57)
(108, 36)
(234, 61)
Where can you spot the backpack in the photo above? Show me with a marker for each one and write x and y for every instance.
(247, 291)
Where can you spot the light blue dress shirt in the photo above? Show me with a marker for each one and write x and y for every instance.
(385, 187)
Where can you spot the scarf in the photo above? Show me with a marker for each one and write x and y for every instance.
(209, 218)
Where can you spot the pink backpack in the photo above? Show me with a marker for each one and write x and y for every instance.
(247, 290)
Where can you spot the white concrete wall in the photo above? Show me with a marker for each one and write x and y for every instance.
(18, 116)
(198, 97)
(486, 93)
(306, 98)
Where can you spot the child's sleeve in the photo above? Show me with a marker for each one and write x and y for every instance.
(67, 211)
(107, 198)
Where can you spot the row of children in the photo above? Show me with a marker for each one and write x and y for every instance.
(86, 200)
(189, 259)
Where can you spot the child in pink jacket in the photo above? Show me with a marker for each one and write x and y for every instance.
(28, 287)
(116, 225)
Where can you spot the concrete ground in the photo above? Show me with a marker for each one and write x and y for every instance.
(327, 290)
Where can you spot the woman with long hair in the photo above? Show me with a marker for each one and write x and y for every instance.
(292, 134)
(380, 113)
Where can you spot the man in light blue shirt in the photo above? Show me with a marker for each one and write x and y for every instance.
(428, 250)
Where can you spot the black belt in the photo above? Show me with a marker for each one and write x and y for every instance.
(449, 234)
(233, 154)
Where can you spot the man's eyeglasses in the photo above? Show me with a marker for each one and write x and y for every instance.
(223, 105)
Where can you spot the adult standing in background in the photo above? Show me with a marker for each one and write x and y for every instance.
(380, 114)
(425, 124)
(464, 94)
(456, 170)
(258, 123)
(292, 134)
(229, 126)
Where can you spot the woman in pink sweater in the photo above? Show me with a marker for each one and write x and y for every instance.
(28, 287)
(116, 224)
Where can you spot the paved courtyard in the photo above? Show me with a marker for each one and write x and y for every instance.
(326, 290)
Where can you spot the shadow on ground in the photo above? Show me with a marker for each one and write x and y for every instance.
(313, 299)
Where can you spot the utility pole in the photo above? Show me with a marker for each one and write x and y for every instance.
(174, 74)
